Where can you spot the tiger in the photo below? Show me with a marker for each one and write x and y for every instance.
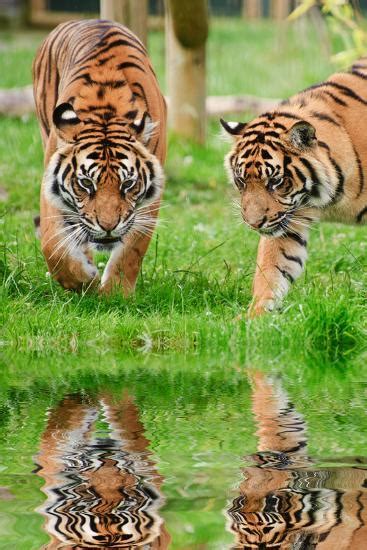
(286, 500)
(101, 484)
(304, 161)
(102, 119)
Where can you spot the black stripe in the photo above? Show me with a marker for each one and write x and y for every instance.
(141, 90)
(361, 214)
(358, 74)
(265, 154)
(340, 188)
(285, 274)
(315, 180)
(272, 134)
(292, 258)
(150, 168)
(359, 66)
(131, 115)
(128, 65)
(296, 237)
(114, 44)
(55, 188)
(58, 164)
(262, 123)
(325, 117)
(345, 90)
(104, 60)
(360, 172)
(66, 171)
(285, 114)
(336, 99)
(323, 145)
(300, 174)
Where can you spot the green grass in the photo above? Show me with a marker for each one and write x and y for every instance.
(196, 278)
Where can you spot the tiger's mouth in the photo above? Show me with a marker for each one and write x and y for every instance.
(104, 240)
(107, 243)
(277, 228)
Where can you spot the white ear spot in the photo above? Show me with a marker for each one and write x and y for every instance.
(68, 115)
(232, 125)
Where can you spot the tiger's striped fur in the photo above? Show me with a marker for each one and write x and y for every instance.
(102, 489)
(304, 161)
(103, 125)
(286, 501)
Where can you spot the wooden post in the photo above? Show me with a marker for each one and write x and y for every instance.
(280, 9)
(186, 34)
(138, 19)
(252, 9)
(115, 10)
(132, 13)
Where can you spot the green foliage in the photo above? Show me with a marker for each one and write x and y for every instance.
(177, 346)
(343, 21)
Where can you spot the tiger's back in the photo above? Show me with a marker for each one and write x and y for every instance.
(97, 66)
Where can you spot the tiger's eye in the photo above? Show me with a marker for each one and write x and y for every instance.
(126, 185)
(87, 185)
(274, 183)
(240, 182)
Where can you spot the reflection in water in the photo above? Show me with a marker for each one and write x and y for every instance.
(101, 485)
(285, 502)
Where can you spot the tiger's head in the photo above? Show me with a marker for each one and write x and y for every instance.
(278, 169)
(102, 176)
(278, 521)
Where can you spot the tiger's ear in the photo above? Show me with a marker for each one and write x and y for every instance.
(66, 122)
(302, 135)
(233, 128)
(144, 128)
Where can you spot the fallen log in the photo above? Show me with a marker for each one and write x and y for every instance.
(20, 102)
(16, 101)
(232, 104)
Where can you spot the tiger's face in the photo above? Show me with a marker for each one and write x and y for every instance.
(273, 169)
(103, 178)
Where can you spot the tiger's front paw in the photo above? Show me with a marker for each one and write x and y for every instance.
(259, 306)
(77, 275)
(116, 284)
(111, 285)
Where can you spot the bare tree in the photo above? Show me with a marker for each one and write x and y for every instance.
(186, 34)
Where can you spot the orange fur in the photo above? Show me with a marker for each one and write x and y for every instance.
(100, 493)
(103, 125)
(304, 161)
(285, 500)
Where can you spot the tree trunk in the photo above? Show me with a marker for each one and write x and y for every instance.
(252, 9)
(280, 9)
(132, 13)
(186, 34)
(20, 102)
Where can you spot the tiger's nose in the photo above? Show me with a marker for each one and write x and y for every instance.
(257, 223)
(108, 225)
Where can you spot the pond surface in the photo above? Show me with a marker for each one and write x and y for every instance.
(202, 453)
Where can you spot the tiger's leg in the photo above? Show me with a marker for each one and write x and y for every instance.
(280, 261)
(67, 261)
(123, 267)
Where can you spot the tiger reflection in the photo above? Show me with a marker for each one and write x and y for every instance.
(100, 481)
(285, 502)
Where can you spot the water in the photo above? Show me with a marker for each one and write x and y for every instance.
(202, 454)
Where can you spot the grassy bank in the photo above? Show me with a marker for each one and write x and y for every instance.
(196, 278)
